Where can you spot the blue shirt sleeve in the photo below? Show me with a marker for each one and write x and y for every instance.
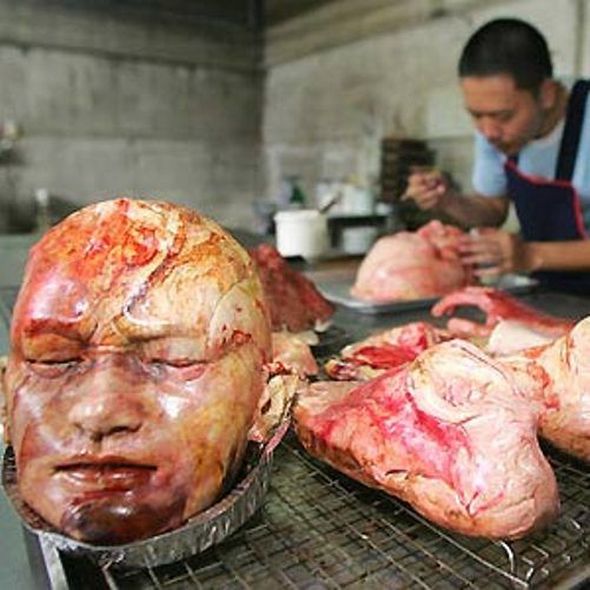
(488, 178)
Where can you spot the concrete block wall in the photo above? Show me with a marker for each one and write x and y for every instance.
(115, 102)
(123, 101)
(342, 77)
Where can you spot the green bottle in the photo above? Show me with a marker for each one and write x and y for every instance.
(297, 199)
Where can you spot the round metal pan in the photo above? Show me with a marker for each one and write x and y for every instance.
(197, 534)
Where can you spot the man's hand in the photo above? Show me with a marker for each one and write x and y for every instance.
(493, 252)
(431, 189)
(427, 187)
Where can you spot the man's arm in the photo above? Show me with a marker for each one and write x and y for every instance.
(494, 252)
(431, 190)
(570, 255)
(474, 210)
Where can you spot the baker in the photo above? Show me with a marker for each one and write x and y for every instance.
(532, 148)
(137, 346)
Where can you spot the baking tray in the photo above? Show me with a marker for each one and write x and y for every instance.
(338, 291)
(320, 530)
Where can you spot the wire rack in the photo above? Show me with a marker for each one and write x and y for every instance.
(318, 529)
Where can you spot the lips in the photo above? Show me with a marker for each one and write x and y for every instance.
(106, 475)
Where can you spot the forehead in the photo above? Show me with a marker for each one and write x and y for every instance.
(497, 92)
(128, 268)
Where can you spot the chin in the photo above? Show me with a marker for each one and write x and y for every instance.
(513, 149)
(507, 150)
(114, 519)
(104, 515)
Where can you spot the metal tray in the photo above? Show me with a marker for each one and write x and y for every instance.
(200, 532)
(338, 291)
(334, 338)
(319, 529)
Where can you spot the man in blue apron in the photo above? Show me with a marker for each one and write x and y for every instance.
(532, 149)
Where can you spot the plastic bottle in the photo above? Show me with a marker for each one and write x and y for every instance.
(297, 199)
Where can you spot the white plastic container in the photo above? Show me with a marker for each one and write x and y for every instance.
(302, 232)
(358, 240)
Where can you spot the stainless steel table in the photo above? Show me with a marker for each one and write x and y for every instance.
(318, 529)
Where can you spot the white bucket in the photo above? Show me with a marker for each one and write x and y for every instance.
(302, 232)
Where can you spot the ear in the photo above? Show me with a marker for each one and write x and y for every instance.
(548, 94)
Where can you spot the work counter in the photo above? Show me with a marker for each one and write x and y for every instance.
(318, 529)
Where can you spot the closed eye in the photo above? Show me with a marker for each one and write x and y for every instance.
(176, 363)
(182, 369)
(54, 367)
(498, 116)
(54, 361)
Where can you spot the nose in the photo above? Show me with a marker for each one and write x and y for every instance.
(490, 129)
(98, 417)
(108, 404)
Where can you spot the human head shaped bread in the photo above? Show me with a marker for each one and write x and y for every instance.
(137, 345)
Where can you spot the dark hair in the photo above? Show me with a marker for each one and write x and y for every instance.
(508, 46)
